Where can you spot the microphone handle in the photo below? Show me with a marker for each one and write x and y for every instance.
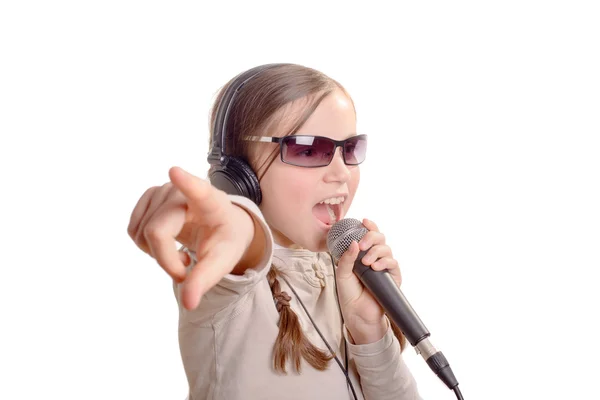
(383, 287)
(387, 293)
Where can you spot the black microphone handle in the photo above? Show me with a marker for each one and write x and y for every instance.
(387, 293)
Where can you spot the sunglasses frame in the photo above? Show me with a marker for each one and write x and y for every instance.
(337, 143)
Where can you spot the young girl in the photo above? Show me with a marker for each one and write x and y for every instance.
(264, 311)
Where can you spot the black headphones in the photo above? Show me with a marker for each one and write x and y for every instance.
(232, 174)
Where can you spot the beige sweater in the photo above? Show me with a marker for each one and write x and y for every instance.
(227, 342)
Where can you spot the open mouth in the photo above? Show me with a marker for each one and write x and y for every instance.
(328, 212)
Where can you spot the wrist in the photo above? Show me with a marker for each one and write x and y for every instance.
(256, 242)
(365, 333)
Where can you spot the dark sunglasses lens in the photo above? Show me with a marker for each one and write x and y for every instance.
(355, 150)
(307, 151)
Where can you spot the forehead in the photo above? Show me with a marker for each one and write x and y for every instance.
(334, 117)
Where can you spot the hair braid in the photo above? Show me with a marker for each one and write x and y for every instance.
(291, 341)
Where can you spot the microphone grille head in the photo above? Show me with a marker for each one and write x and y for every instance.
(342, 233)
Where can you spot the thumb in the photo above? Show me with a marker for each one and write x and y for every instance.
(346, 261)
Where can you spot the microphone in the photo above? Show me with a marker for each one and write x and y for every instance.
(385, 290)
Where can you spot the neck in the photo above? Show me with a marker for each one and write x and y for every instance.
(289, 246)
(282, 241)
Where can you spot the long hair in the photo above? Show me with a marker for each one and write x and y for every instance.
(258, 110)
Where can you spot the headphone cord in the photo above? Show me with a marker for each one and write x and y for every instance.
(337, 360)
(337, 298)
(456, 390)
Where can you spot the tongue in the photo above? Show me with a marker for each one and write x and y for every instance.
(324, 213)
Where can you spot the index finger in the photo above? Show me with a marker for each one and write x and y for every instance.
(204, 198)
(370, 225)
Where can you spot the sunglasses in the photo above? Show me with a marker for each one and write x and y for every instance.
(316, 151)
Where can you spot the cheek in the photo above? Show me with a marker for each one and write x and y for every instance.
(354, 180)
(285, 192)
(353, 185)
(296, 189)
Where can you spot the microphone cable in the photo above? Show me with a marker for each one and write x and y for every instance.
(458, 393)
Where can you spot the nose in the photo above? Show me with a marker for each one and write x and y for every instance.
(337, 170)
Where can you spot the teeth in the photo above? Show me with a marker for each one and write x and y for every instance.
(333, 200)
(332, 217)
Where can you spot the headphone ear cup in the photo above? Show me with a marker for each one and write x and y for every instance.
(235, 176)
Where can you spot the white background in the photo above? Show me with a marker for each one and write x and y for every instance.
(483, 172)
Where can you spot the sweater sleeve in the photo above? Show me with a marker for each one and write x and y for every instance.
(382, 370)
(220, 300)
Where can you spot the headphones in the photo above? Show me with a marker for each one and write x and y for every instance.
(232, 174)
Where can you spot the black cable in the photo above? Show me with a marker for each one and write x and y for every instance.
(345, 371)
(337, 298)
(458, 393)
(192, 255)
(446, 374)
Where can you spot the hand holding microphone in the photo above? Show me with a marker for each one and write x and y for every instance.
(363, 315)
(385, 290)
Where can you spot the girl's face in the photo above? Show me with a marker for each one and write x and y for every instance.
(291, 194)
